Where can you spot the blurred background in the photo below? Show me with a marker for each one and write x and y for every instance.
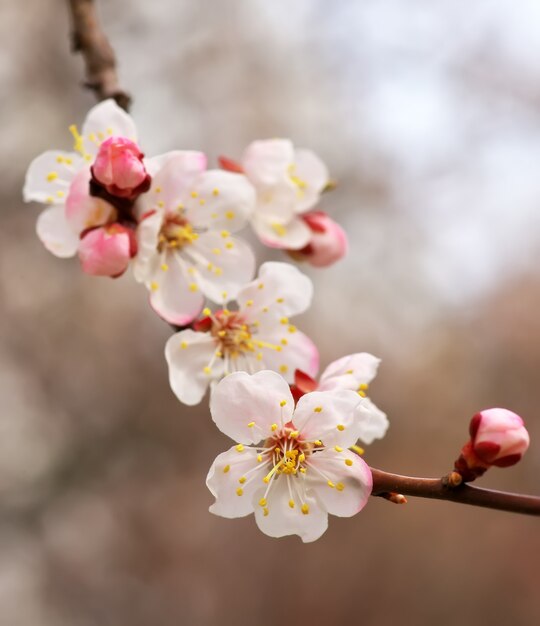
(428, 114)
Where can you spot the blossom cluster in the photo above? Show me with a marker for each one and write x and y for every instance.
(175, 222)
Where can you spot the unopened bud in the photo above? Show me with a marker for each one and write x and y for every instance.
(119, 168)
(106, 251)
(498, 437)
(328, 241)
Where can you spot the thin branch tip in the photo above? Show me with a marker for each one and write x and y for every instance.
(91, 42)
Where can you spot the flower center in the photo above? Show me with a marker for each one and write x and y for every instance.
(233, 334)
(176, 233)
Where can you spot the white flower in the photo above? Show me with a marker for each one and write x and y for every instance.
(291, 466)
(289, 182)
(186, 250)
(353, 372)
(257, 336)
(61, 179)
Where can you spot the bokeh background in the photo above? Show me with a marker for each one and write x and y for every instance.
(428, 114)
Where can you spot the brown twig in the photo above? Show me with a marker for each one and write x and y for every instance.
(445, 489)
(89, 39)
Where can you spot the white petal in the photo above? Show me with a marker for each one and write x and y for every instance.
(372, 421)
(194, 161)
(147, 242)
(55, 232)
(172, 183)
(223, 480)
(174, 296)
(220, 200)
(49, 175)
(105, 120)
(352, 484)
(290, 235)
(298, 353)
(281, 288)
(328, 416)
(240, 399)
(224, 265)
(187, 354)
(265, 162)
(314, 176)
(350, 372)
(283, 520)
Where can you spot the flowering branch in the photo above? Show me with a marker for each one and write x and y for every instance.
(89, 39)
(445, 488)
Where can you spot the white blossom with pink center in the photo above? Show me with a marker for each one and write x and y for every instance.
(186, 250)
(258, 335)
(289, 182)
(291, 466)
(61, 179)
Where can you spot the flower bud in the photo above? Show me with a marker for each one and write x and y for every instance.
(106, 251)
(119, 168)
(328, 241)
(498, 437)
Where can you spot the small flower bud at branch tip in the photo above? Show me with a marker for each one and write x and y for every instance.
(498, 438)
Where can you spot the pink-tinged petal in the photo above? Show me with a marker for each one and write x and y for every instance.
(234, 479)
(328, 416)
(173, 294)
(55, 232)
(342, 481)
(224, 265)
(84, 211)
(49, 175)
(290, 235)
(266, 162)
(312, 177)
(107, 251)
(350, 372)
(281, 288)
(105, 120)
(172, 183)
(372, 421)
(241, 399)
(299, 352)
(147, 244)
(220, 200)
(194, 161)
(282, 520)
(328, 243)
(188, 354)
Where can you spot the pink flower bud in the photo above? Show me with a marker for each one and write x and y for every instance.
(106, 251)
(498, 437)
(119, 168)
(328, 241)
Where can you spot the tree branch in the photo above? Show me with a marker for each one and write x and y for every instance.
(385, 483)
(89, 39)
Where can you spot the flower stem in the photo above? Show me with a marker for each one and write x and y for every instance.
(443, 489)
(89, 39)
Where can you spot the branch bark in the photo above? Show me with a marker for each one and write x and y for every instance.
(89, 39)
(441, 489)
